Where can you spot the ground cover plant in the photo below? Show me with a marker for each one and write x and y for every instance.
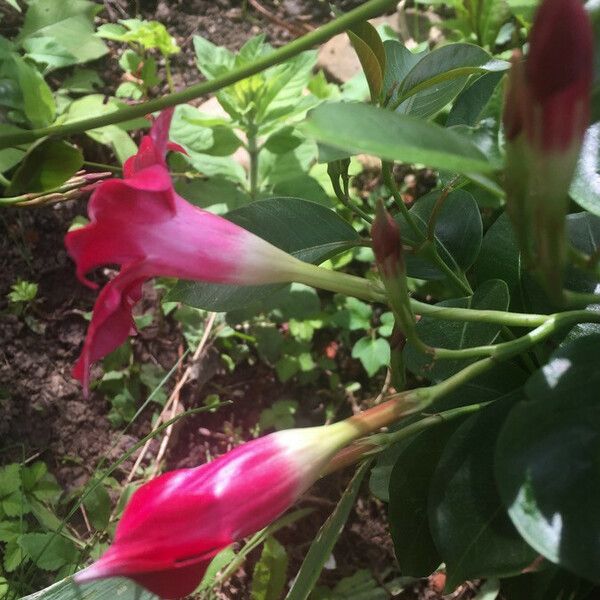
(424, 325)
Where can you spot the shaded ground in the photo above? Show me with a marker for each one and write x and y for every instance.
(43, 411)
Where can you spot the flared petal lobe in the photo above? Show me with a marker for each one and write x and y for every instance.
(176, 523)
(140, 224)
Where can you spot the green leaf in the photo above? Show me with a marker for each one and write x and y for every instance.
(371, 53)
(38, 103)
(473, 100)
(103, 589)
(307, 230)
(284, 140)
(269, 578)
(47, 164)
(61, 34)
(440, 76)
(360, 128)
(13, 556)
(547, 459)
(82, 81)
(373, 353)
(323, 544)
(408, 492)
(502, 379)
(48, 550)
(202, 134)
(548, 583)
(492, 295)
(113, 136)
(399, 60)
(585, 188)
(491, 15)
(216, 194)
(458, 233)
(219, 562)
(469, 524)
(10, 479)
(98, 506)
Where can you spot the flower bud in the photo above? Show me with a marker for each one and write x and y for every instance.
(387, 243)
(175, 524)
(545, 118)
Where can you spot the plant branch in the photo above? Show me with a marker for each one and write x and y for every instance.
(369, 9)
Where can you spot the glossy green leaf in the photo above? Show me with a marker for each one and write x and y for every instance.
(502, 379)
(547, 463)
(46, 165)
(593, 7)
(269, 578)
(440, 76)
(468, 521)
(473, 100)
(399, 61)
(492, 295)
(458, 233)
(408, 492)
(307, 230)
(585, 188)
(323, 544)
(550, 582)
(369, 48)
(361, 128)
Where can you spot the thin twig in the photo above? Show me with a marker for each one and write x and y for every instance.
(174, 399)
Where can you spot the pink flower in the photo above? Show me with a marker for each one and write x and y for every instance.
(175, 524)
(549, 97)
(141, 224)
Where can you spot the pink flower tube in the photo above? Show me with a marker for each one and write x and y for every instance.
(141, 224)
(175, 524)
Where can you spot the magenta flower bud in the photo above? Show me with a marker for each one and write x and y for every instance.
(546, 114)
(559, 74)
(175, 524)
(387, 243)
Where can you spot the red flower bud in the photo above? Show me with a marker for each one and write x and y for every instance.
(549, 99)
(175, 524)
(387, 244)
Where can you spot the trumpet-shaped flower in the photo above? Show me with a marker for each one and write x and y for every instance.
(141, 224)
(175, 524)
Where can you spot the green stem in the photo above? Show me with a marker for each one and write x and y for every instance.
(103, 166)
(388, 179)
(318, 36)
(424, 246)
(505, 349)
(478, 316)
(344, 198)
(253, 153)
(341, 283)
(576, 299)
